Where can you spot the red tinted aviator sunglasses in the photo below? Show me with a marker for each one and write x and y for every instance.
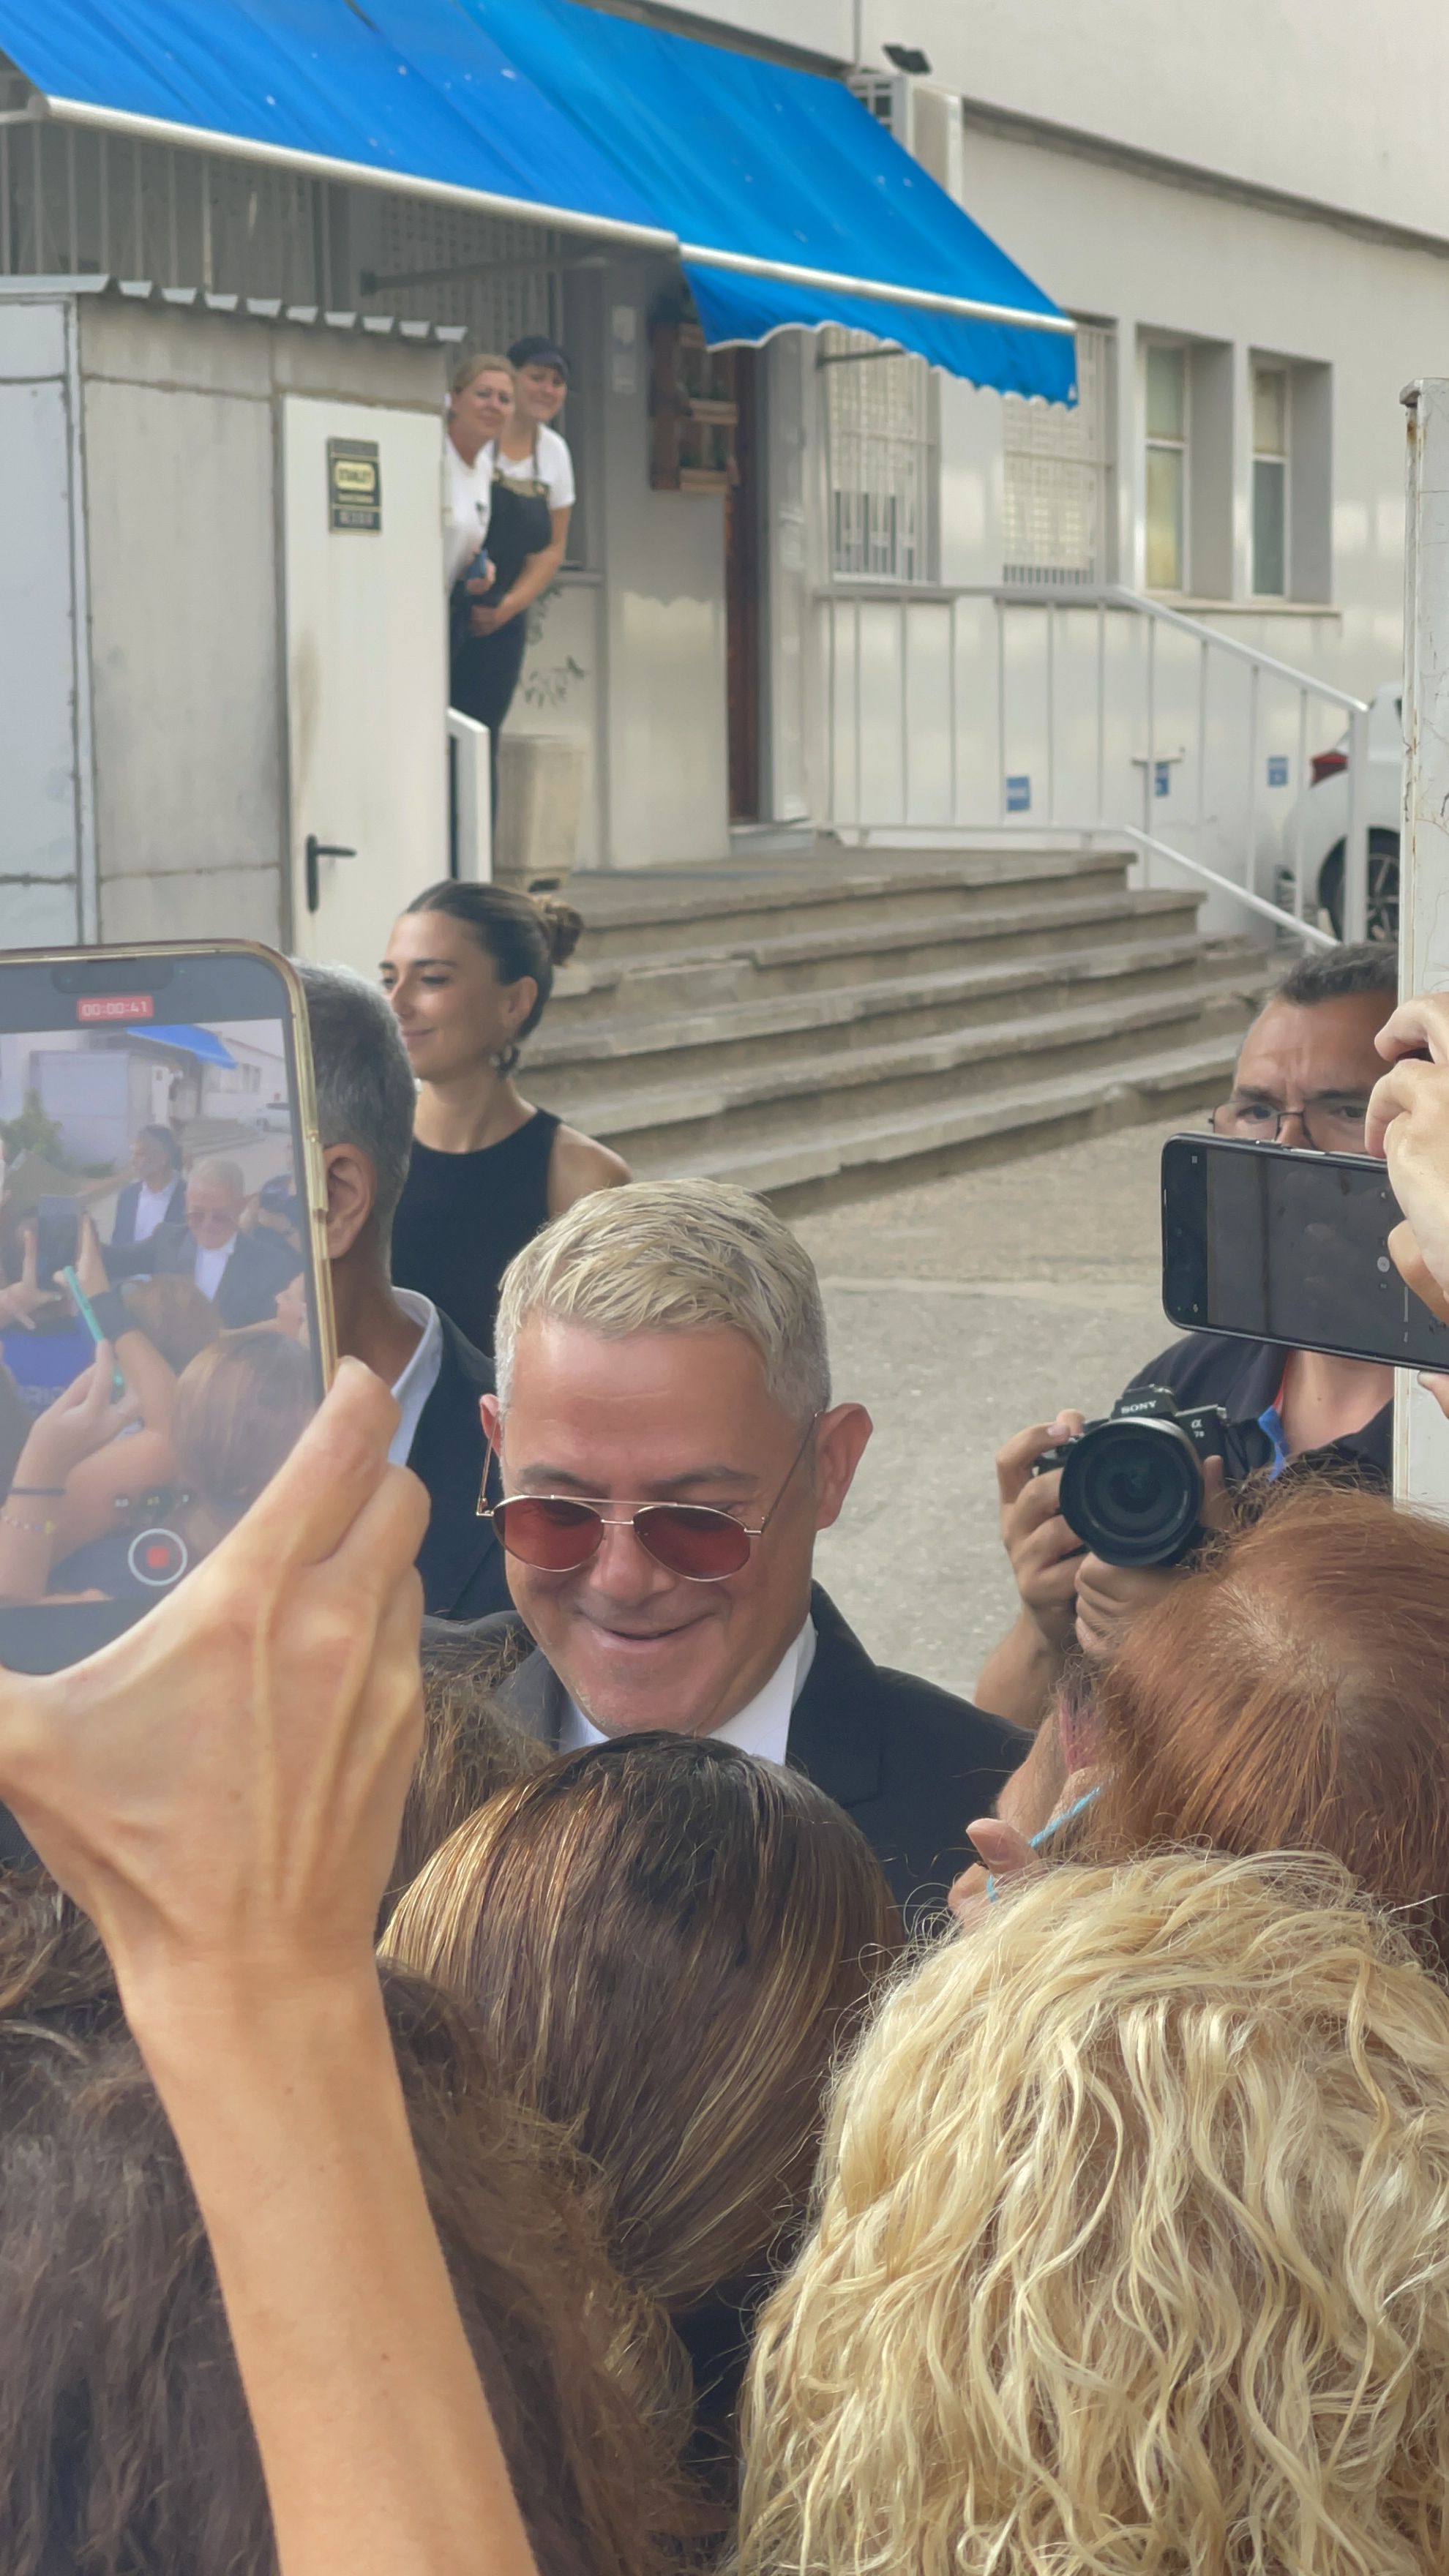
(693, 1540)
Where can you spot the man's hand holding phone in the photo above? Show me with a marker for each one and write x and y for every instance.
(1408, 1123)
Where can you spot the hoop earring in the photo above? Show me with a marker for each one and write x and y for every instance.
(503, 1060)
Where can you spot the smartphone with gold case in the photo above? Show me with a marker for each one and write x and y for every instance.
(166, 1321)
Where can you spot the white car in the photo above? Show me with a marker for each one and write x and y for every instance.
(1318, 821)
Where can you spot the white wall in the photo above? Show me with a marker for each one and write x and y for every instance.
(46, 846)
(1323, 99)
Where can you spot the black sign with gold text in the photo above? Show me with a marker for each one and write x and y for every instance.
(354, 483)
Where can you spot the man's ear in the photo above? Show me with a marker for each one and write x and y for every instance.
(491, 1416)
(351, 1196)
(840, 1439)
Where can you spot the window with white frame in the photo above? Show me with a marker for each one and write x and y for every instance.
(1270, 482)
(881, 440)
(1055, 469)
(1167, 466)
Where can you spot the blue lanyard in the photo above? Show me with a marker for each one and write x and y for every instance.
(1035, 1841)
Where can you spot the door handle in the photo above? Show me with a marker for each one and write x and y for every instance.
(315, 850)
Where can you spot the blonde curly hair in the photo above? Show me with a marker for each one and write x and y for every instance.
(1132, 2251)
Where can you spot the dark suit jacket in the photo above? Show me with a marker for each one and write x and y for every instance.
(912, 1764)
(124, 1229)
(460, 1560)
(260, 1265)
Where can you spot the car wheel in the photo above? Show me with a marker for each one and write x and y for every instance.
(1383, 885)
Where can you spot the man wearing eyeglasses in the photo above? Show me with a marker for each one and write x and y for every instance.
(667, 1448)
(1307, 1066)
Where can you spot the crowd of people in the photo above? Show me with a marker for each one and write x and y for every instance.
(523, 2050)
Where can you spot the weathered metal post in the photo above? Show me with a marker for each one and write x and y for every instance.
(1421, 1444)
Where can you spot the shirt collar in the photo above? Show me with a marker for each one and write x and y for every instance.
(412, 1390)
(761, 1727)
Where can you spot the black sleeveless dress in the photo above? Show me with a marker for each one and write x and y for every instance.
(462, 1217)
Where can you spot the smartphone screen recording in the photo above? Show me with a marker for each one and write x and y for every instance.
(155, 1116)
(1289, 1246)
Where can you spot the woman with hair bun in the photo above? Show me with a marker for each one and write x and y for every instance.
(468, 971)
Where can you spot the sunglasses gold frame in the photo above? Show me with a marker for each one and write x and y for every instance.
(630, 1519)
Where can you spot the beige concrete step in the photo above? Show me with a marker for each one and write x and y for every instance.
(682, 1126)
(860, 952)
(575, 1062)
(864, 1157)
(655, 909)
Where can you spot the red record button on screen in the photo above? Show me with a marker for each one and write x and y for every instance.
(157, 1557)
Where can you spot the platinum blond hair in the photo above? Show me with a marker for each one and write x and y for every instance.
(216, 1173)
(1132, 2249)
(675, 1257)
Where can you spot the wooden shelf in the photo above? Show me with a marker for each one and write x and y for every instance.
(693, 412)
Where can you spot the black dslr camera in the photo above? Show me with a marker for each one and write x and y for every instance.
(1132, 1485)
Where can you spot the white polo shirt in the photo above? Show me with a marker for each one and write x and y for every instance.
(468, 502)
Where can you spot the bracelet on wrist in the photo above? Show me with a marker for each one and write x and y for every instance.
(33, 1529)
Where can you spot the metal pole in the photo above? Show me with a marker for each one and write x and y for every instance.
(1250, 828)
(1356, 831)
(1300, 782)
(1051, 713)
(954, 613)
(1200, 825)
(1001, 709)
(1101, 712)
(858, 789)
(1421, 1442)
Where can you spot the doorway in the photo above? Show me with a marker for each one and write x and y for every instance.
(743, 511)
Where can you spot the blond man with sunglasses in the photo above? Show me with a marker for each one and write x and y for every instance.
(668, 1448)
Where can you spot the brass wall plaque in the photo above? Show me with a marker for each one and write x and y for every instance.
(354, 483)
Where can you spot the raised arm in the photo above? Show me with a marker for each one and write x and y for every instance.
(221, 1790)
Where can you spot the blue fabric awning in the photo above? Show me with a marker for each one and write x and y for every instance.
(187, 1041)
(787, 202)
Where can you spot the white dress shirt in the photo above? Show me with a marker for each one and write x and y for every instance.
(412, 1390)
(761, 1727)
(151, 1207)
(210, 1263)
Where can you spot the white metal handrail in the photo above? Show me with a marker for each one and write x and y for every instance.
(1101, 602)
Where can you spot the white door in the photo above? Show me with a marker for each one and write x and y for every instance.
(367, 673)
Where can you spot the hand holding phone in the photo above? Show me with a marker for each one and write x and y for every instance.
(1408, 1123)
(1290, 1246)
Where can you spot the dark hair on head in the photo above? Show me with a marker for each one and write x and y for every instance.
(1329, 974)
(524, 934)
(667, 1940)
(167, 1139)
(125, 2441)
(1290, 1696)
(174, 1316)
(365, 1089)
(240, 1408)
(471, 1749)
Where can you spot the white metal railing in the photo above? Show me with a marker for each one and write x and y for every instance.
(1101, 749)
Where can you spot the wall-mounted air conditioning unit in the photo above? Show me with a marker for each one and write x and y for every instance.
(925, 120)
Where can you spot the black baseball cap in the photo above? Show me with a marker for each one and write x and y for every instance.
(537, 350)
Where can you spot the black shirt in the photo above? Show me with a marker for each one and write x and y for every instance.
(1244, 1378)
(462, 1217)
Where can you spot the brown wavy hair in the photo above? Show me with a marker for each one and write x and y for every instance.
(125, 2441)
(471, 1749)
(667, 1941)
(1293, 1694)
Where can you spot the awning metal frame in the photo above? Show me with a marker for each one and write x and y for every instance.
(567, 219)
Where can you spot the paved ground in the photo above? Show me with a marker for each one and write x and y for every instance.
(961, 1310)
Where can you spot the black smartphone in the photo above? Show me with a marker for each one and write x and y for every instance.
(148, 1098)
(57, 1236)
(1282, 1244)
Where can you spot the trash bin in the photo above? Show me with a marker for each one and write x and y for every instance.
(541, 779)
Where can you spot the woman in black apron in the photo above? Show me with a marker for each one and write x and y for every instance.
(486, 667)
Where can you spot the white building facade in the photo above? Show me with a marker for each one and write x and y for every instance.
(899, 615)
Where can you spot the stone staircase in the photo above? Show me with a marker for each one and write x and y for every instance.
(823, 1028)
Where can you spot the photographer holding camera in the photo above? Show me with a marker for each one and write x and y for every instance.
(1304, 1075)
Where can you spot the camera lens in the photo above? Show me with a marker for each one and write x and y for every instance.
(1133, 1491)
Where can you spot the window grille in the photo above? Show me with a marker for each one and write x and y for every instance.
(882, 443)
(1270, 481)
(1056, 462)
